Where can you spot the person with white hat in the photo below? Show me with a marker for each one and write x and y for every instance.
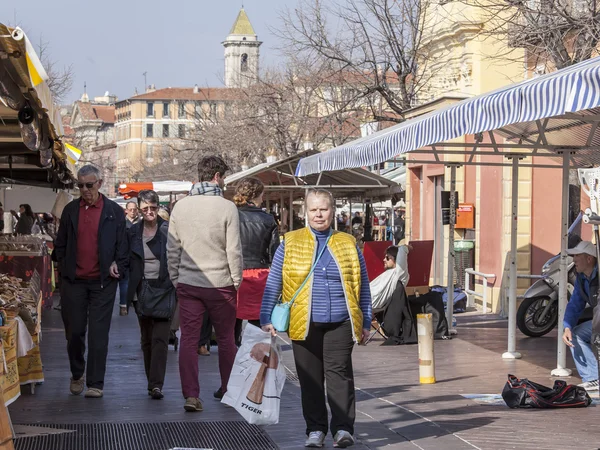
(579, 336)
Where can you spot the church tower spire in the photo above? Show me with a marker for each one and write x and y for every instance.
(241, 53)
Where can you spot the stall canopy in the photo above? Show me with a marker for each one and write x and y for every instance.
(31, 130)
(351, 182)
(160, 187)
(555, 115)
(550, 112)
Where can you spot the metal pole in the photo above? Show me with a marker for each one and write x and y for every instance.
(450, 281)
(561, 355)
(511, 353)
(393, 220)
(484, 295)
(281, 205)
(291, 212)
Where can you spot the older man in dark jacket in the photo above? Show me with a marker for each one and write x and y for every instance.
(91, 250)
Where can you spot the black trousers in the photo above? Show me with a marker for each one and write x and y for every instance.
(155, 346)
(84, 305)
(326, 355)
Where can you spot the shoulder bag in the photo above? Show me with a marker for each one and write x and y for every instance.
(280, 317)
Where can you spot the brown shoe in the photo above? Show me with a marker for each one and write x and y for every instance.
(203, 350)
(192, 404)
(123, 311)
(77, 386)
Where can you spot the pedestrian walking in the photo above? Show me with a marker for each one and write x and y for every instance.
(325, 273)
(25, 219)
(148, 267)
(205, 265)
(91, 250)
(132, 214)
(260, 239)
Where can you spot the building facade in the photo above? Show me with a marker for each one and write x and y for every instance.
(465, 66)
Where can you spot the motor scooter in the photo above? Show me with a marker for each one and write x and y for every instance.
(538, 312)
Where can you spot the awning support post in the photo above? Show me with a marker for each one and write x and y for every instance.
(561, 355)
(450, 281)
(291, 211)
(511, 353)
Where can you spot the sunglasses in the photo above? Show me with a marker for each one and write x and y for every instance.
(87, 185)
(150, 208)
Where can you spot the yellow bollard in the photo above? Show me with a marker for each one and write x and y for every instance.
(426, 358)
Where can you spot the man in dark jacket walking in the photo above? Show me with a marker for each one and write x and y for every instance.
(91, 250)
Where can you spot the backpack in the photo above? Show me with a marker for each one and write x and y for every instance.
(522, 393)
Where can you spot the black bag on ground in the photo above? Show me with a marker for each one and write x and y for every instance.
(156, 302)
(522, 393)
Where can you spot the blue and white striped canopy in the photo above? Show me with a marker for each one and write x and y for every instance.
(569, 90)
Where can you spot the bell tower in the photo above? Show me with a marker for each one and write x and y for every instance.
(241, 53)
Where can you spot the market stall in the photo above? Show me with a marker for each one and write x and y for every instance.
(32, 153)
(168, 191)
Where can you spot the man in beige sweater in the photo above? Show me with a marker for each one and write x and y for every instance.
(205, 264)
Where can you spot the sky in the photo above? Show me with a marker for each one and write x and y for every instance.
(111, 43)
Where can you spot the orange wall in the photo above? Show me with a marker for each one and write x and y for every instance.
(415, 203)
(490, 220)
(546, 208)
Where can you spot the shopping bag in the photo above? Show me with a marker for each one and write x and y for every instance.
(257, 378)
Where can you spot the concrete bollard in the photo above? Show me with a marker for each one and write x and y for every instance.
(426, 357)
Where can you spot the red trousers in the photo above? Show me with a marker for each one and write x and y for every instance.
(220, 305)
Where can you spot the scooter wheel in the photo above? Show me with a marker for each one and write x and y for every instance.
(529, 318)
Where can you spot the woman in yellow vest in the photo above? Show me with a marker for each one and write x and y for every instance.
(331, 312)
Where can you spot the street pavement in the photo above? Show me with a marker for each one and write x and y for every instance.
(394, 412)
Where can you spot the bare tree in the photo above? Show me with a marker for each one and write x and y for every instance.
(60, 80)
(377, 48)
(554, 33)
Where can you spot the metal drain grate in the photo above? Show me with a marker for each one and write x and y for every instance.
(151, 436)
(291, 375)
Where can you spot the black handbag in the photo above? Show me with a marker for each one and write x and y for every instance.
(522, 393)
(156, 302)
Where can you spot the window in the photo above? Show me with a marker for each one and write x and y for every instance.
(166, 109)
(181, 131)
(150, 109)
(149, 130)
(149, 151)
(213, 110)
(165, 130)
(182, 110)
(244, 62)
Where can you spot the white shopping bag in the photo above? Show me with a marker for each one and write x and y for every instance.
(257, 378)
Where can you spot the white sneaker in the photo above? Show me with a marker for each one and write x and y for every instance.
(342, 439)
(315, 439)
(590, 385)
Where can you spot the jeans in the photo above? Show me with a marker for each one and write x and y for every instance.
(583, 354)
(194, 304)
(86, 307)
(123, 286)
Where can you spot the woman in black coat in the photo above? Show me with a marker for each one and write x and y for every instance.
(148, 264)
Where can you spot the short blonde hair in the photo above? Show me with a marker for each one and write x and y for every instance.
(320, 193)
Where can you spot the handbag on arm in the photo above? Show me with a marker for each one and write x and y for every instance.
(280, 316)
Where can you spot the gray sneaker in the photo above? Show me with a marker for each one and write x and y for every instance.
(315, 439)
(342, 439)
(94, 393)
(77, 386)
(590, 385)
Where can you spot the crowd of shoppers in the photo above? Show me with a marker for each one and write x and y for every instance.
(226, 264)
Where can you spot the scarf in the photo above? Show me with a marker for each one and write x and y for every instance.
(206, 188)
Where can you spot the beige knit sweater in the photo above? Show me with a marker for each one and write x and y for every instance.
(204, 247)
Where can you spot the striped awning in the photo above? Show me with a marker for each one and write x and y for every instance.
(575, 88)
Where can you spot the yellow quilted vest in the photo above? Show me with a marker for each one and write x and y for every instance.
(300, 253)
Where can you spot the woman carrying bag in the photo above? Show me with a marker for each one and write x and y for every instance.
(151, 289)
(318, 291)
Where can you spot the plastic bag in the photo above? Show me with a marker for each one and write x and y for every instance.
(257, 378)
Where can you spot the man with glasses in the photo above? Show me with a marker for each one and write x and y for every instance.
(204, 253)
(92, 254)
(132, 217)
